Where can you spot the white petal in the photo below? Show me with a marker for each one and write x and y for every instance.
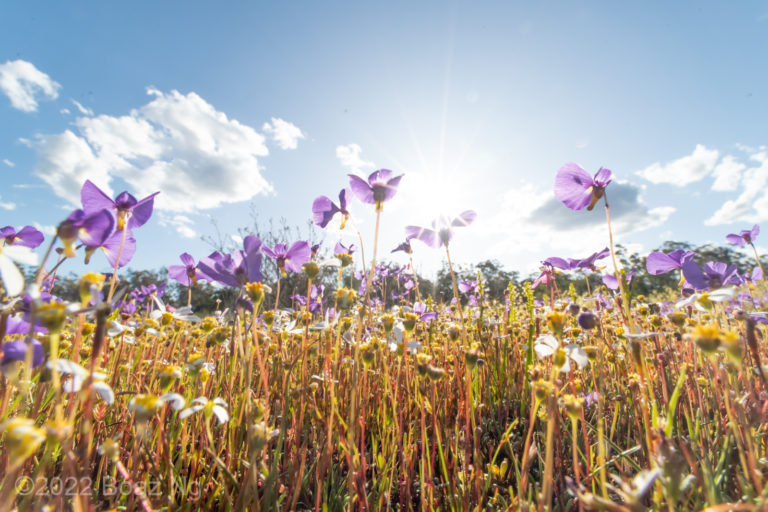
(13, 281)
(189, 411)
(578, 354)
(220, 401)
(159, 303)
(104, 391)
(221, 413)
(68, 367)
(200, 400)
(21, 254)
(722, 294)
(177, 401)
(156, 314)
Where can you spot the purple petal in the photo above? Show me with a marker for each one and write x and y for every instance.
(179, 273)
(187, 259)
(323, 211)
(297, 255)
(426, 235)
(602, 177)
(361, 189)
(557, 262)
(464, 219)
(253, 263)
(343, 199)
(17, 351)
(380, 177)
(694, 276)
(111, 247)
(610, 281)
(252, 243)
(93, 199)
(142, 211)
(754, 232)
(96, 228)
(390, 189)
(659, 263)
(125, 201)
(736, 239)
(29, 237)
(757, 274)
(573, 186)
(7, 232)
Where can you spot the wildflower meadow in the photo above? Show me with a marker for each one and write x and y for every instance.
(325, 378)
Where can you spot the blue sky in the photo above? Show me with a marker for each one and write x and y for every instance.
(227, 105)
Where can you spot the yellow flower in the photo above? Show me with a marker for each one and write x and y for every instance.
(22, 439)
(707, 337)
(90, 283)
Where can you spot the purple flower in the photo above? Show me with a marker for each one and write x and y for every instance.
(25, 237)
(611, 282)
(186, 274)
(323, 210)
(405, 247)
(442, 229)
(469, 286)
(587, 319)
(659, 263)
(92, 229)
(575, 188)
(340, 249)
(380, 187)
(17, 351)
(127, 209)
(587, 263)
(546, 276)
(238, 268)
(111, 248)
(746, 237)
(714, 275)
(292, 259)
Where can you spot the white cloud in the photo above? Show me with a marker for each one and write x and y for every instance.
(286, 134)
(8, 163)
(349, 157)
(23, 83)
(727, 174)
(179, 144)
(7, 206)
(181, 223)
(83, 110)
(530, 220)
(685, 170)
(64, 111)
(751, 205)
(46, 230)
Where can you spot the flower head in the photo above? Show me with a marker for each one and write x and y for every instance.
(660, 263)
(745, 237)
(91, 228)
(380, 187)
(442, 229)
(188, 273)
(128, 211)
(575, 188)
(292, 258)
(26, 236)
(238, 268)
(324, 209)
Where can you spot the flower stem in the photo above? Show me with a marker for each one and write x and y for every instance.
(113, 281)
(619, 278)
